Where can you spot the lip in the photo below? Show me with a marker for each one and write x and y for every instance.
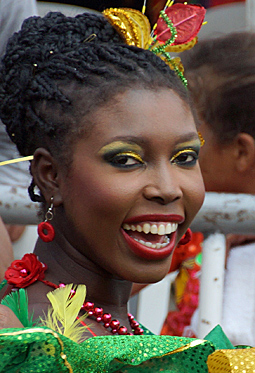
(173, 218)
(150, 253)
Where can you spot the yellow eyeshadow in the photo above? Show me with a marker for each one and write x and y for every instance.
(120, 146)
(131, 154)
(183, 151)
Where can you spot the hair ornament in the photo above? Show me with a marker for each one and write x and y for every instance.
(175, 31)
(202, 140)
(17, 160)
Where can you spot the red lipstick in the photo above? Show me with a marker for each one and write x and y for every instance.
(173, 218)
(144, 251)
(149, 253)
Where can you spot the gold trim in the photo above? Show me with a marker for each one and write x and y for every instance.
(45, 331)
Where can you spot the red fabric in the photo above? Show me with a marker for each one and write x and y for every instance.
(186, 285)
(223, 2)
(187, 19)
(190, 250)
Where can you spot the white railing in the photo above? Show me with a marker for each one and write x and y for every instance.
(221, 213)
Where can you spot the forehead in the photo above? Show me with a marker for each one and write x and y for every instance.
(145, 114)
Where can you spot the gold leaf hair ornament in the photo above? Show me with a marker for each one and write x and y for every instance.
(62, 316)
(175, 31)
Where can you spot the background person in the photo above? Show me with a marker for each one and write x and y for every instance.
(221, 78)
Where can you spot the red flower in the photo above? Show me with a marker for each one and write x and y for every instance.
(25, 272)
(187, 19)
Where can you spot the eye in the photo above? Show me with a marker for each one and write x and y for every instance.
(186, 157)
(126, 160)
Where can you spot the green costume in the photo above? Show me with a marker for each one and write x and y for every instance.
(43, 350)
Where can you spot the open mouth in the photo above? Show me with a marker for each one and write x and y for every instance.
(152, 235)
(151, 240)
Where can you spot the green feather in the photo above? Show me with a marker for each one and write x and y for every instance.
(17, 301)
(2, 285)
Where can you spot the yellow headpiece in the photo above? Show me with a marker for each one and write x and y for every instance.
(175, 31)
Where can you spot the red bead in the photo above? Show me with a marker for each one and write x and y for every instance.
(130, 316)
(88, 306)
(107, 317)
(98, 319)
(138, 331)
(114, 324)
(134, 324)
(114, 331)
(90, 313)
(98, 312)
(130, 333)
(46, 231)
(106, 325)
(122, 330)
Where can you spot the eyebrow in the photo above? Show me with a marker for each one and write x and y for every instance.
(140, 140)
(187, 137)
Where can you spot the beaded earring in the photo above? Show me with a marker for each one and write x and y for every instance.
(186, 238)
(45, 230)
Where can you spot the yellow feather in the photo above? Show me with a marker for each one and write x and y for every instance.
(65, 307)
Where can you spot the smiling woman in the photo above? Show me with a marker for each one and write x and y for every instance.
(115, 152)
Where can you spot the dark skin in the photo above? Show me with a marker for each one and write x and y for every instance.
(158, 174)
(112, 296)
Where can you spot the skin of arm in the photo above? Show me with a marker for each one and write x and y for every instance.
(5, 249)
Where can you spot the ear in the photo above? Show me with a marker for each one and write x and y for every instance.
(45, 171)
(245, 152)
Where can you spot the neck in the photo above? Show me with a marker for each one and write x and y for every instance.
(67, 265)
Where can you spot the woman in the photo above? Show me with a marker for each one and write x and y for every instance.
(115, 152)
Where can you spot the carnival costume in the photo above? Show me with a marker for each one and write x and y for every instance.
(45, 347)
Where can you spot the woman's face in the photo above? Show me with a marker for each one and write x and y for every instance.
(134, 185)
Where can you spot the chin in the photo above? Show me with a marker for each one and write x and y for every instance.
(149, 274)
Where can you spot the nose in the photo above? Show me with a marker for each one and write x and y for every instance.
(164, 184)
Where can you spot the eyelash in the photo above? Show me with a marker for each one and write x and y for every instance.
(116, 159)
(187, 153)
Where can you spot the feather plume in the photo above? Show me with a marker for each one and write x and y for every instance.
(66, 303)
(17, 301)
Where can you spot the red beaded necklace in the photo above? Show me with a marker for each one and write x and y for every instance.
(106, 319)
(100, 316)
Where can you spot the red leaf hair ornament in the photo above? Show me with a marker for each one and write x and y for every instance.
(187, 19)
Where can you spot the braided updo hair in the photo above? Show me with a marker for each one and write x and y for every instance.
(59, 69)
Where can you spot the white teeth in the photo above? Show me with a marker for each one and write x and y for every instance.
(146, 228)
(161, 229)
(154, 245)
(154, 229)
(168, 228)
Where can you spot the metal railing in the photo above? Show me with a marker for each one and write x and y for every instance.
(221, 213)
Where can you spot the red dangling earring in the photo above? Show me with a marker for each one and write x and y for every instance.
(186, 238)
(45, 230)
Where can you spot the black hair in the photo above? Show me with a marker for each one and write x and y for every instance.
(59, 69)
(221, 79)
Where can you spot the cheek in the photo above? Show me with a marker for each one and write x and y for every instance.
(102, 194)
(194, 194)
